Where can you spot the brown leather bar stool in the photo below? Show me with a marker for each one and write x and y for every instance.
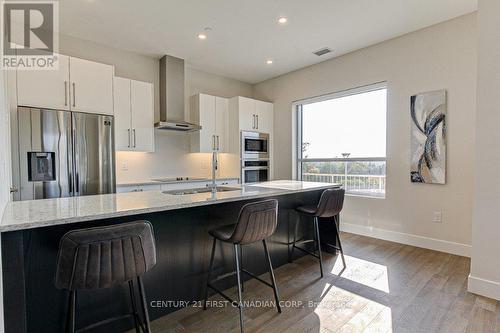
(329, 206)
(104, 257)
(256, 222)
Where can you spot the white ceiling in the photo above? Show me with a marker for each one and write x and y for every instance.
(246, 33)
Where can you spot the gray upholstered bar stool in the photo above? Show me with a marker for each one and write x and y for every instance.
(256, 222)
(329, 206)
(104, 257)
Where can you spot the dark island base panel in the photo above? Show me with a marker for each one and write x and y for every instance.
(33, 304)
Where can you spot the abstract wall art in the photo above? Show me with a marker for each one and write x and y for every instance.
(428, 137)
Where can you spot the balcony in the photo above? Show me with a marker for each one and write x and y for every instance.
(364, 177)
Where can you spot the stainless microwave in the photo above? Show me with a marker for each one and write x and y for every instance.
(254, 145)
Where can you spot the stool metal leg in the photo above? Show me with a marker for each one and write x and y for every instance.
(142, 294)
(296, 231)
(70, 320)
(241, 268)
(336, 221)
(271, 273)
(240, 300)
(209, 273)
(318, 240)
(134, 306)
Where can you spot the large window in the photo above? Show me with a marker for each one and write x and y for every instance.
(342, 139)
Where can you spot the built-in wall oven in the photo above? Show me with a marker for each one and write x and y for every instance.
(254, 145)
(254, 171)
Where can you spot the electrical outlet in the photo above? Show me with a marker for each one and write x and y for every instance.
(437, 217)
(124, 166)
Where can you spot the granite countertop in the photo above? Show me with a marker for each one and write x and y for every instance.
(20, 215)
(173, 181)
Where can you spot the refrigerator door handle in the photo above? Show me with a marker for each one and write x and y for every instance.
(70, 184)
(135, 139)
(65, 93)
(129, 137)
(74, 94)
(74, 176)
(77, 182)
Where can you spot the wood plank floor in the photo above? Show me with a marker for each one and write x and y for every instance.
(387, 287)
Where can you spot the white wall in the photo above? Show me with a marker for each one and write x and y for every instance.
(172, 155)
(5, 178)
(485, 270)
(439, 57)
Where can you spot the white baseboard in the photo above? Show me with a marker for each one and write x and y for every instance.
(463, 250)
(484, 287)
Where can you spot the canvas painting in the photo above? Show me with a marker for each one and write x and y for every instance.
(428, 137)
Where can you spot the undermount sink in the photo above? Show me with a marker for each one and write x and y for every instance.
(200, 190)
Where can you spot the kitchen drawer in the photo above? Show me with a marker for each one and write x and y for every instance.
(190, 185)
(234, 181)
(182, 186)
(137, 188)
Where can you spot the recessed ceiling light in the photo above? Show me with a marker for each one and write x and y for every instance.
(202, 36)
(269, 62)
(282, 20)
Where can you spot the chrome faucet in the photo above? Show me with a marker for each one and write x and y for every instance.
(215, 167)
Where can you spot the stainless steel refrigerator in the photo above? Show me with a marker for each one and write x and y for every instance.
(64, 154)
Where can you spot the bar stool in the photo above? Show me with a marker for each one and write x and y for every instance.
(104, 257)
(256, 222)
(329, 206)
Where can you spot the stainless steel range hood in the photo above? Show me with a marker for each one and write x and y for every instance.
(172, 96)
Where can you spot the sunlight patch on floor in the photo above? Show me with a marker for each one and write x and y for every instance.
(342, 311)
(364, 272)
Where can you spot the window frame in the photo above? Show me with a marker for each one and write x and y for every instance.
(297, 106)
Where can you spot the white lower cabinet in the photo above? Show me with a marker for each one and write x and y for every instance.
(174, 186)
(137, 188)
(186, 186)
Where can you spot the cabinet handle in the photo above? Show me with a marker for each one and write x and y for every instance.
(213, 142)
(128, 137)
(218, 143)
(74, 94)
(135, 139)
(253, 123)
(65, 93)
(257, 117)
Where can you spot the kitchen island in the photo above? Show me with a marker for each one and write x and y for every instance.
(31, 231)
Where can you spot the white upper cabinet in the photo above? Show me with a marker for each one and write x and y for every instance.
(264, 117)
(134, 115)
(222, 123)
(142, 106)
(254, 115)
(45, 88)
(123, 114)
(77, 85)
(247, 114)
(211, 113)
(91, 86)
